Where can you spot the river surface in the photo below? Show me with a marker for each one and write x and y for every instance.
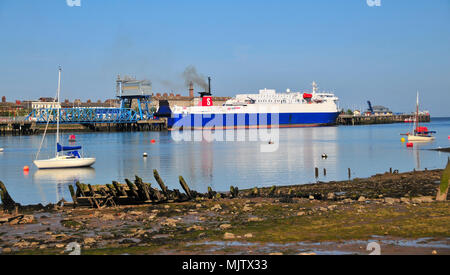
(367, 150)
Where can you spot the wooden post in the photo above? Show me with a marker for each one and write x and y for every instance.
(445, 182)
(349, 174)
(211, 193)
(132, 188)
(185, 187)
(324, 171)
(143, 189)
(93, 196)
(272, 191)
(255, 192)
(156, 194)
(111, 190)
(317, 172)
(103, 192)
(8, 202)
(72, 194)
(80, 189)
(119, 189)
(234, 191)
(161, 183)
(177, 194)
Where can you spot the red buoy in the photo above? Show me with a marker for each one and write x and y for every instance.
(409, 144)
(72, 138)
(153, 141)
(26, 168)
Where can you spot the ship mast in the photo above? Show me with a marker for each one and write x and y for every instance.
(417, 112)
(58, 110)
(314, 85)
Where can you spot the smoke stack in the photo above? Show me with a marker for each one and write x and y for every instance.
(209, 85)
(191, 89)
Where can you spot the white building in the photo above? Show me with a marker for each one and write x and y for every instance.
(45, 105)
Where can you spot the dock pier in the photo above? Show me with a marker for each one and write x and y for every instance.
(17, 127)
(152, 125)
(345, 119)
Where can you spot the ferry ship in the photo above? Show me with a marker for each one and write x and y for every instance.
(263, 110)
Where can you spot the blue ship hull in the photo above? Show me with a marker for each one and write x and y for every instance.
(230, 121)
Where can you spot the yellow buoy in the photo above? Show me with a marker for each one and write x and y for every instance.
(403, 140)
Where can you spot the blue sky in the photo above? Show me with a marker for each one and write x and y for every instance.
(383, 54)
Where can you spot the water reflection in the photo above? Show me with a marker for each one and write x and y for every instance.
(61, 178)
(64, 175)
(418, 146)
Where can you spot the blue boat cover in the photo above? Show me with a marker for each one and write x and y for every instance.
(74, 154)
(67, 148)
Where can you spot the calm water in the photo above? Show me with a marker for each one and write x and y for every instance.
(365, 149)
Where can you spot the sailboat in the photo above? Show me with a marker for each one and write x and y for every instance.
(66, 156)
(420, 133)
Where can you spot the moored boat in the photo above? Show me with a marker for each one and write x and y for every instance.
(420, 133)
(66, 157)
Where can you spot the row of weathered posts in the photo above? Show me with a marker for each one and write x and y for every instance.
(136, 192)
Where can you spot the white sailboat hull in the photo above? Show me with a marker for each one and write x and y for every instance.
(64, 162)
(419, 138)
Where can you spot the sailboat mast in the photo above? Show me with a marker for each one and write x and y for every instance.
(58, 110)
(417, 111)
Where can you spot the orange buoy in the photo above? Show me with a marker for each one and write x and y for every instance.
(409, 144)
(26, 168)
(153, 141)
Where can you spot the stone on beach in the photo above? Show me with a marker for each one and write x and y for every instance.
(225, 226)
(391, 200)
(362, 199)
(331, 196)
(422, 199)
(216, 207)
(89, 241)
(255, 219)
(228, 236)
(107, 217)
(196, 228)
(170, 222)
(307, 253)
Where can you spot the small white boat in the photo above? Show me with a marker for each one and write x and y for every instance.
(420, 133)
(66, 157)
(64, 162)
(420, 138)
(1, 149)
